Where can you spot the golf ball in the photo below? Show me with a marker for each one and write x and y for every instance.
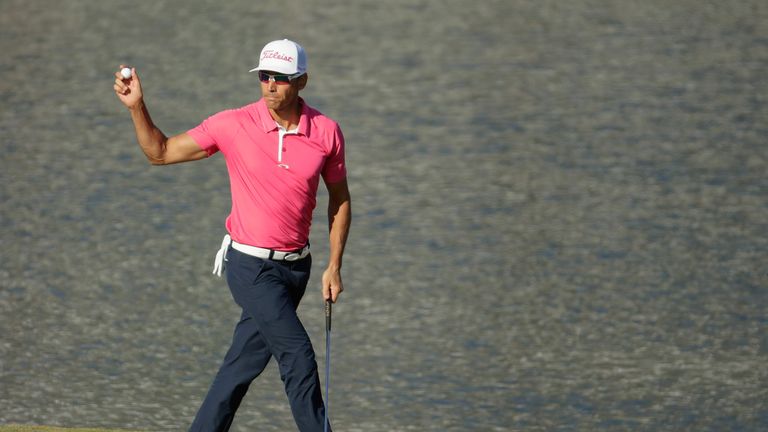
(125, 72)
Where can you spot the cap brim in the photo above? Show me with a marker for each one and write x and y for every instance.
(256, 69)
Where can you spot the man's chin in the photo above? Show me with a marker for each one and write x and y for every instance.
(272, 104)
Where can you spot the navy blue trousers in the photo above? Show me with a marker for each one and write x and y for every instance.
(268, 293)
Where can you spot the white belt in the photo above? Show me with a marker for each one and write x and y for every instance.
(218, 264)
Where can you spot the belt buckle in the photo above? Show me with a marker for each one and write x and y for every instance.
(292, 256)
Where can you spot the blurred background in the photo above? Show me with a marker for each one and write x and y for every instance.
(560, 213)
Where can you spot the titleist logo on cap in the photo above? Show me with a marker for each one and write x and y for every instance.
(271, 54)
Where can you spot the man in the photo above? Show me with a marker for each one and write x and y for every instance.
(275, 149)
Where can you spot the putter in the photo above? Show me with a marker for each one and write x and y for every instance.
(327, 362)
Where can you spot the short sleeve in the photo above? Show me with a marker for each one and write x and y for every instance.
(335, 169)
(206, 134)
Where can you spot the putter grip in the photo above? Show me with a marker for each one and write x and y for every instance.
(328, 315)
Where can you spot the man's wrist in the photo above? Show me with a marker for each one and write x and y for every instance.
(136, 108)
(334, 267)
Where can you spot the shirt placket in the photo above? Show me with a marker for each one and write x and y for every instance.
(281, 133)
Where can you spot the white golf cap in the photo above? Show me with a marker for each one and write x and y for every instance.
(284, 56)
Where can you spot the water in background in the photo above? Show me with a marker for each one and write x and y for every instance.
(560, 213)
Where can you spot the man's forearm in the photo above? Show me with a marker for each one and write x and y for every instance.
(151, 139)
(339, 221)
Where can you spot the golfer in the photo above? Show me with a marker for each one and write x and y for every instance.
(276, 150)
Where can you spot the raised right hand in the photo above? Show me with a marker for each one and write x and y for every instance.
(128, 90)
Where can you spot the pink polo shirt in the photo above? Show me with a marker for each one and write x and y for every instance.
(273, 174)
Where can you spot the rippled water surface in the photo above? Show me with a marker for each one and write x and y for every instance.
(560, 212)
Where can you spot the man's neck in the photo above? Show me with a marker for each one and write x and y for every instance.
(288, 118)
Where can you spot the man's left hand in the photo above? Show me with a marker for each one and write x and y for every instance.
(332, 285)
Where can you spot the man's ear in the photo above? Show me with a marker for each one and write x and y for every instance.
(302, 81)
